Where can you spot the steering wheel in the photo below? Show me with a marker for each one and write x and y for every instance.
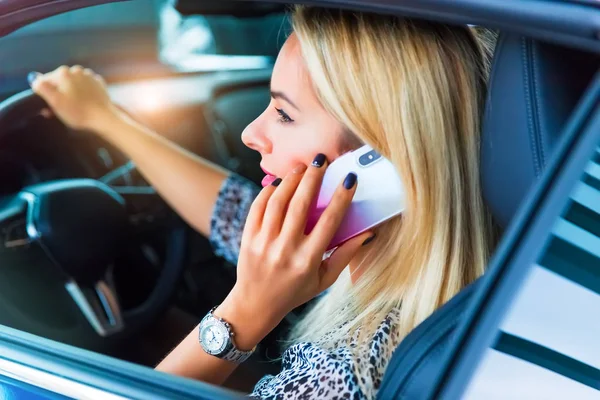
(82, 226)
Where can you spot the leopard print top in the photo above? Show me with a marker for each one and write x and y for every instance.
(308, 371)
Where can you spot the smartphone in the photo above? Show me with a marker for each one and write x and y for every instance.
(379, 195)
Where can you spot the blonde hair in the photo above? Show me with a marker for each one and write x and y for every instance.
(413, 90)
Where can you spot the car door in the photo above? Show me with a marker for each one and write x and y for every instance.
(38, 368)
(533, 328)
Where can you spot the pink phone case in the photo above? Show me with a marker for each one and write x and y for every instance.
(379, 195)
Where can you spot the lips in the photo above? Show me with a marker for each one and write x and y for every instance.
(268, 179)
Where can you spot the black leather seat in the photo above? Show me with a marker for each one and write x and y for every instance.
(533, 88)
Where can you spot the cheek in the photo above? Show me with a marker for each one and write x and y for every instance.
(289, 150)
(295, 145)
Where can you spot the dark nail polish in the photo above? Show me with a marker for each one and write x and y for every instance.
(31, 77)
(319, 160)
(350, 180)
(276, 182)
(369, 240)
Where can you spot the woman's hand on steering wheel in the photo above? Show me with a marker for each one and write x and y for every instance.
(77, 96)
(280, 267)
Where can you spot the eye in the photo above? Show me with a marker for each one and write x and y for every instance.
(283, 117)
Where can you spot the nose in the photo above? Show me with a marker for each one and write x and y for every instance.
(254, 137)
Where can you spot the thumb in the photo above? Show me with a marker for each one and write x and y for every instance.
(341, 257)
(46, 90)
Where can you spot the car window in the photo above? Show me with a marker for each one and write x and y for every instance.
(547, 343)
(139, 38)
(197, 42)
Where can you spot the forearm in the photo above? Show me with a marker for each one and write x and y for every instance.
(187, 182)
(188, 359)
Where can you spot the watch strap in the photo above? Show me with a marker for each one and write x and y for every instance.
(237, 356)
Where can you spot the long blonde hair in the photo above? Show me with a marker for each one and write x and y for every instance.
(413, 90)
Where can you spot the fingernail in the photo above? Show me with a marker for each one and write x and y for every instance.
(276, 182)
(299, 169)
(350, 180)
(369, 240)
(32, 76)
(319, 160)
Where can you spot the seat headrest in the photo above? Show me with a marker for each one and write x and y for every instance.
(533, 88)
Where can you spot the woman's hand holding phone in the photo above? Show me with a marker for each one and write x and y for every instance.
(280, 267)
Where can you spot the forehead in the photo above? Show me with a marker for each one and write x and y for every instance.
(290, 74)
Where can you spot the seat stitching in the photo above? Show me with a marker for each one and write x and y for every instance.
(528, 104)
(538, 131)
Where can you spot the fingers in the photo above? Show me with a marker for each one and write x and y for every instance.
(77, 97)
(50, 85)
(47, 90)
(61, 73)
(257, 211)
(297, 213)
(76, 69)
(47, 85)
(341, 257)
(279, 201)
(32, 76)
(332, 217)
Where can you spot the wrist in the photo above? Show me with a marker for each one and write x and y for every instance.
(249, 325)
(106, 120)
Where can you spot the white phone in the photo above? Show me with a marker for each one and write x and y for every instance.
(379, 195)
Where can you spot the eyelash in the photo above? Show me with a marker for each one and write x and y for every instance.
(283, 117)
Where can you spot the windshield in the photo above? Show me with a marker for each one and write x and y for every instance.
(138, 39)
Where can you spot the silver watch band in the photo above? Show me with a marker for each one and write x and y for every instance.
(237, 356)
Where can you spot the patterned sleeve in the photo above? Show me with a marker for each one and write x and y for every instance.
(229, 216)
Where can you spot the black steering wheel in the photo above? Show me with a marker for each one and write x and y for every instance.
(81, 227)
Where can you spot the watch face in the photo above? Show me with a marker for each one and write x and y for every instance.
(214, 336)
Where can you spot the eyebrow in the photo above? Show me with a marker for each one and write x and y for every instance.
(282, 96)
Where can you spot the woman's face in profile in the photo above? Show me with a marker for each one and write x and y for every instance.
(295, 127)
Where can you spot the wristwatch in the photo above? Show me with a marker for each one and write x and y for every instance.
(216, 338)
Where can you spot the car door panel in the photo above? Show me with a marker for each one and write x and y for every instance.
(77, 373)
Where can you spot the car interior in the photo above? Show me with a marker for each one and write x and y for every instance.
(137, 250)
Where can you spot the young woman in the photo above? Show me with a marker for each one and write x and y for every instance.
(411, 89)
